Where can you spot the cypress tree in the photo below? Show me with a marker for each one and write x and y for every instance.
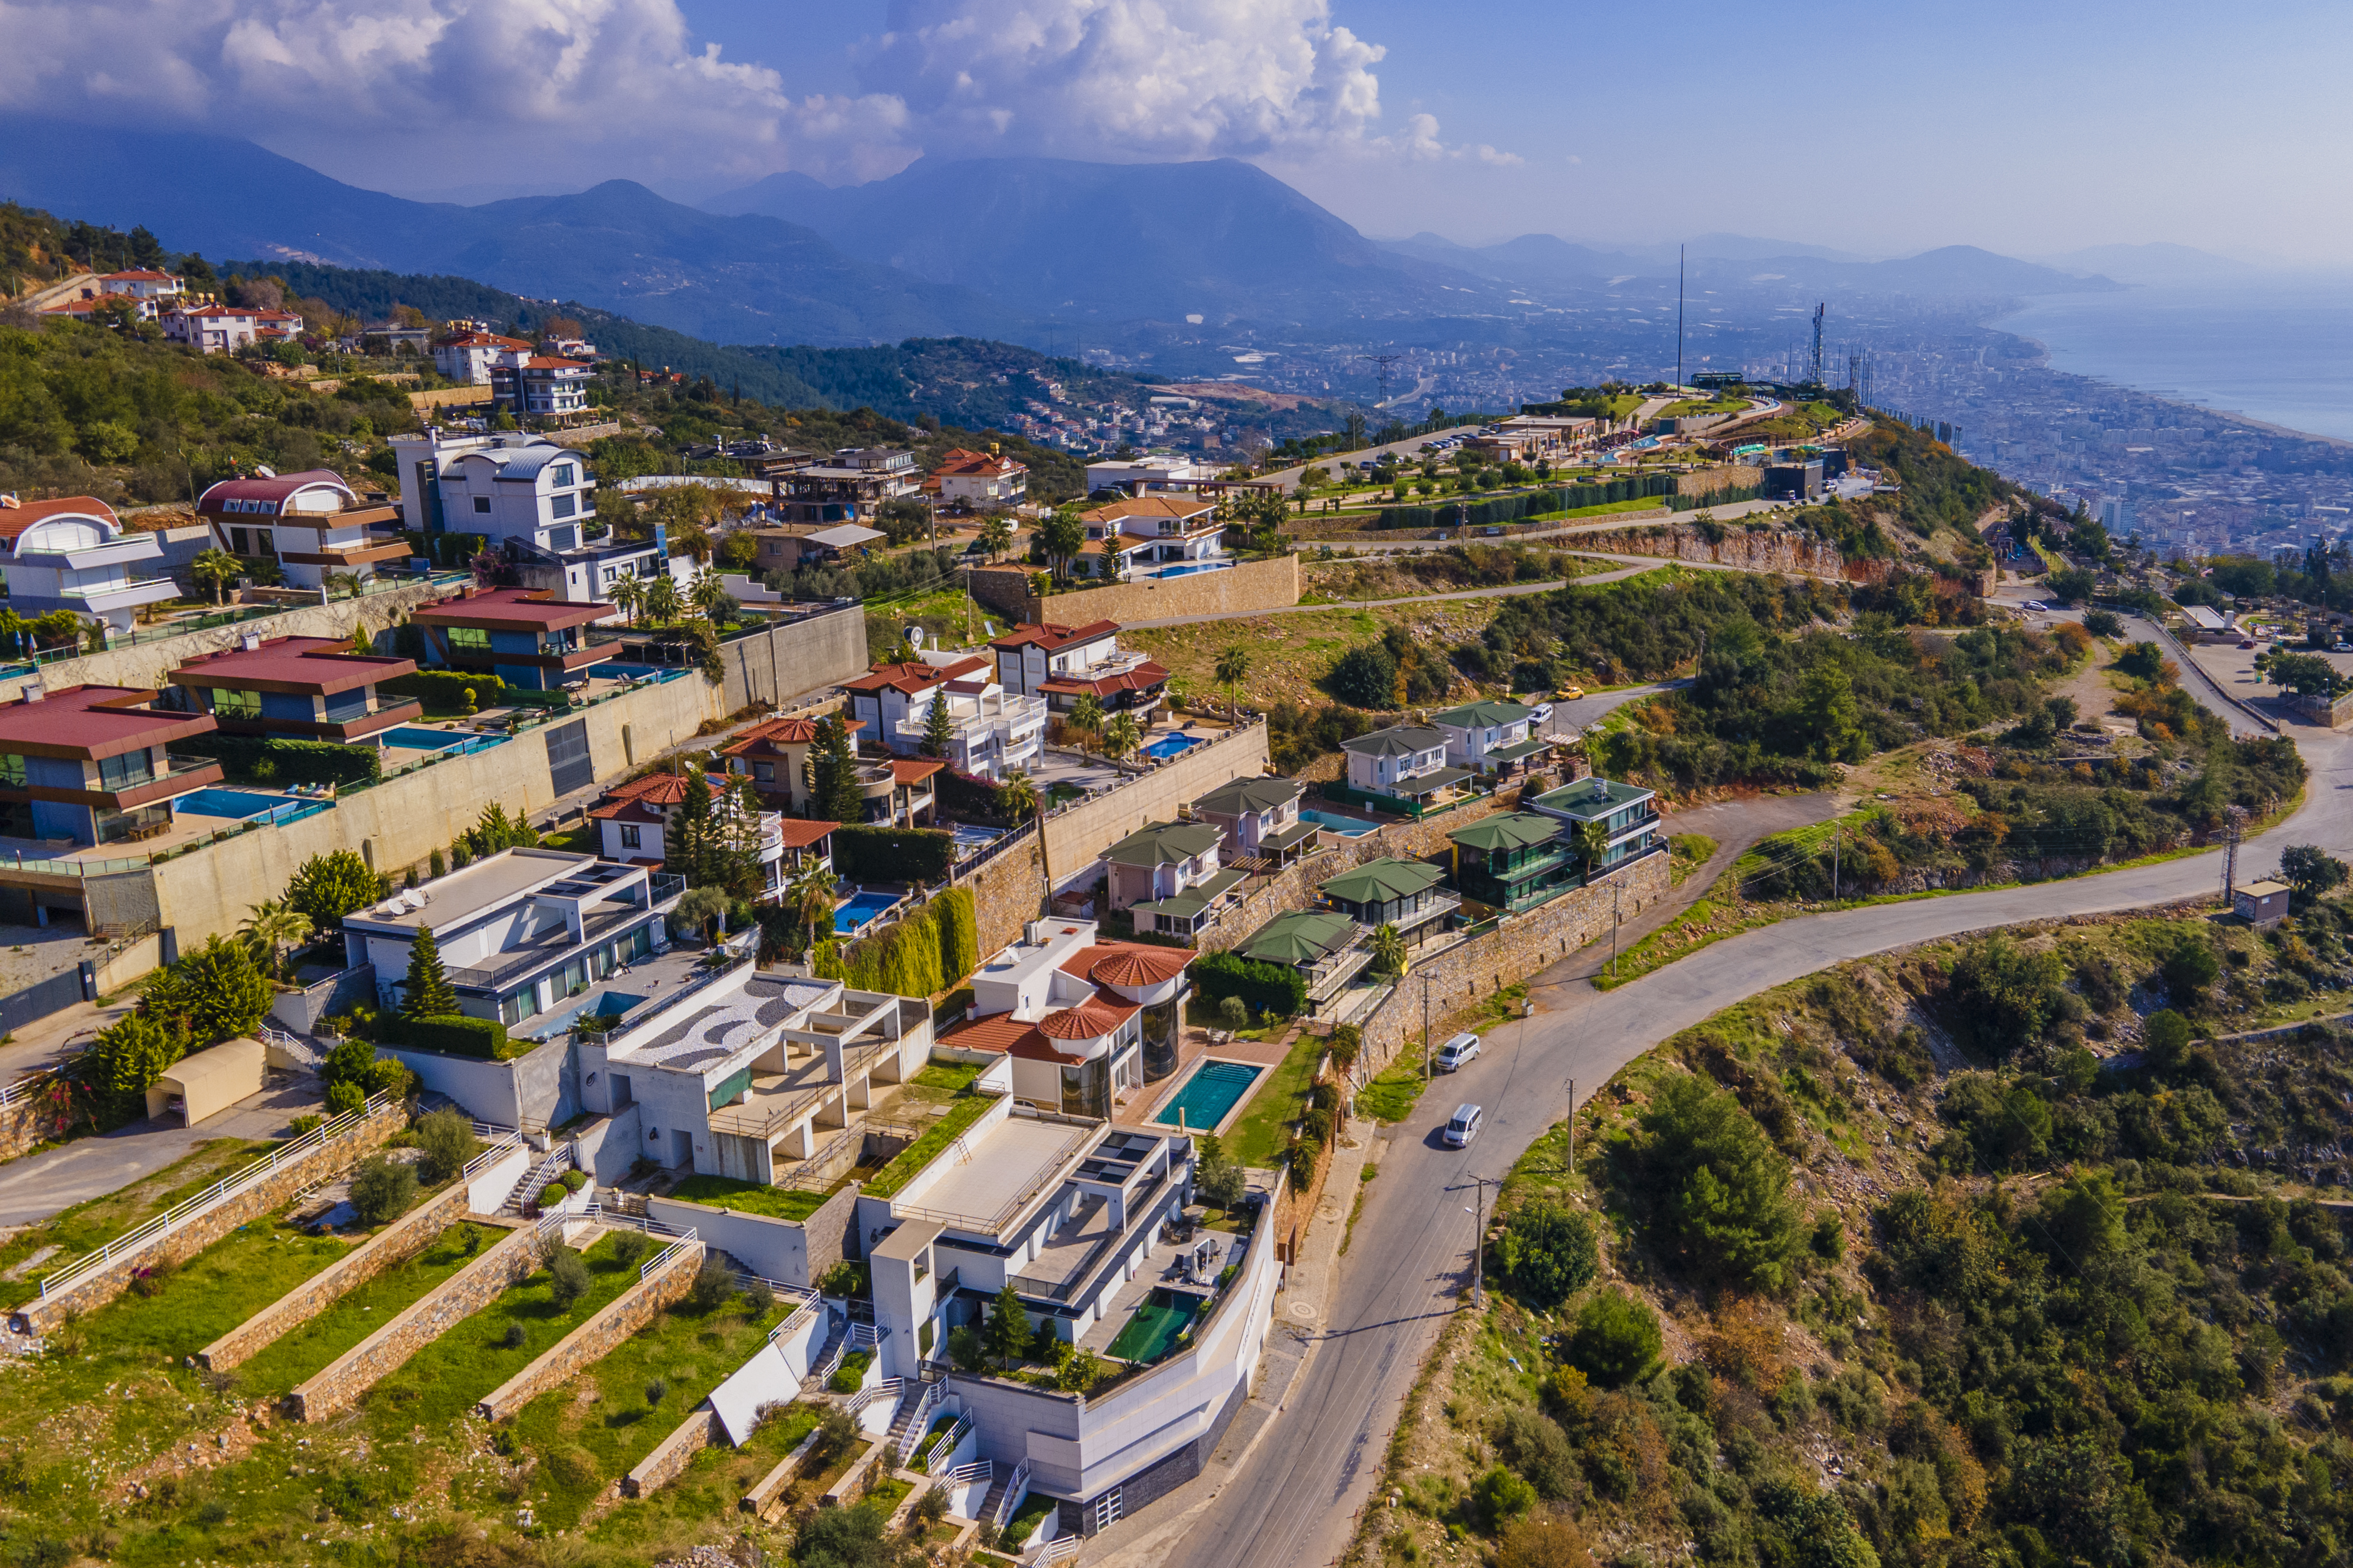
(427, 993)
(838, 793)
(939, 733)
(688, 832)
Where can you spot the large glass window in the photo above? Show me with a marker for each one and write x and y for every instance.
(481, 503)
(471, 639)
(121, 772)
(522, 1005)
(228, 704)
(563, 506)
(563, 474)
(11, 770)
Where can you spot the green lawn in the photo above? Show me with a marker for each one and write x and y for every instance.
(904, 1165)
(955, 1077)
(450, 1376)
(303, 1353)
(1636, 503)
(93, 1224)
(1263, 1131)
(751, 1197)
(587, 1443)
(1392, 1096)
(659, 1528)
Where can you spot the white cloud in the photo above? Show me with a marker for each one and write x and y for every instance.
(418, 94)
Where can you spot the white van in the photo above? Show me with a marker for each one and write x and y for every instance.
(1463, 1128)
(1456, 1053)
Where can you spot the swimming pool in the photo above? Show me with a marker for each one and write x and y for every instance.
(236, 803)
(970, 839)
(1158, 1320)
(1345, 826)
(1187, 571)
(1213, 1091)
(414, 738)
(862, 910)
(618, 671)
(1169, 746)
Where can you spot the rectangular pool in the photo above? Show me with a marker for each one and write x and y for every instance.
(232, 803)
(1159, 1318)
(1213, 1091)
(412, 738)
(1169, 746)
(862, 910)
(1187, 571)
(1345, 826)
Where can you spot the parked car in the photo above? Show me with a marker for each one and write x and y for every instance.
(2246, 642)
(1464, 1127)
(1569, 694)
(1539, 715)
(1456, 1053)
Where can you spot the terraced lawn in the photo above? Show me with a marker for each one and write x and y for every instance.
(303, 1353)
(86, 1226)
(657, 1527)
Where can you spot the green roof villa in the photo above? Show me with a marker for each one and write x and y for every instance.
(1492, 737)
(1628, 814)
(1407, 894)
(1514, 861)
(1168, 875)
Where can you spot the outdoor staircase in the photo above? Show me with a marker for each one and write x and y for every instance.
(915, 1412)
(1000, 1481)
(307, 1054)
(828, 1358)
(526, 1192)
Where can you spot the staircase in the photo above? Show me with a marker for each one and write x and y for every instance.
(1004, 1493)
(828, 1359)
(525, 1196)
(913, 1415)
(306, 1055)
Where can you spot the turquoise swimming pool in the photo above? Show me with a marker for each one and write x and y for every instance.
(1347, 826)
(236, 803)
(1206, 1098)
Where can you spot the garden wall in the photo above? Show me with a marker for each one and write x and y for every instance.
(1007, 891)
(593, 1339)
(1512, 952)
(460, 1296)
(671, 1455)
(402, 1240)
(1250, 585)
(791, 1252)
(321, 1163)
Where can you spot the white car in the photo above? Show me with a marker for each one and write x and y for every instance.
(1456, 1053)
(1462, 1127)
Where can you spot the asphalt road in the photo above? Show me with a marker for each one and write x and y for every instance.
(1294, 1505)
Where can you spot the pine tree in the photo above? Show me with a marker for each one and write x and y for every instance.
(427, 993)
(686, 842)
(838, 796)
(939, 733)
(1006, 1333)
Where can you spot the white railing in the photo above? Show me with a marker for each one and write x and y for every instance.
(229, 1186)
(946, 1443)
(18, 1089)
(1056, 1550)
(823, 1371)
(660, 1260)
(919, 1420)
(503, 1143)
(1012, 1498)
(890, 1387)
(964, 1475)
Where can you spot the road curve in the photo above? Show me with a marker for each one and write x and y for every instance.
(1294, 1505)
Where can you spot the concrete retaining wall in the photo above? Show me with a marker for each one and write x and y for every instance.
(780, 665)
(487, 1189)
(460, 1296)
(1080, 832)
(323, 1163)
(765, 1490)
(791, 1252)
(592, 1340)
(672, 1454)
(1251, 585)
(402, 1240)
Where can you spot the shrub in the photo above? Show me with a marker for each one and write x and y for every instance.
(713, 1283)
(1719, 1192)
(290, 761)
(1616, 1339)
(836, 1432)
(343, 1099)
(513, 1339)
(574, 1179)
(454, 1035)
(2165, 1035)
(1549, 1253)
(447, 1139)
(760, 1299)
(1233, 1013)
(1267, 987)
(1533, 1446)
(628, 1247)
(892, 854)
(2103, 624)
(215, 990)
(1499, 1497)
(552, 1195)
(567, 1277)
(2142, 661)
(446, 691)
(328, 887)
(381, 1190)
(852, 1372)
(2002, 995)
(657, 1390)
(2189, 969)
(1543, 1542)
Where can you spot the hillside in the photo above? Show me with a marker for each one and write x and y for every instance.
(1962, 1255)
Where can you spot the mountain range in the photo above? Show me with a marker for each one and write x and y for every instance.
(1010, 249)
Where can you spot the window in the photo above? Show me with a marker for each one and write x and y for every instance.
(522, 1005)
(564, 506)
(11, 770)
(228, 704)
(765, 771)
(563, 474)
(631, 835)
(121, 772)
(237, 543)
(475, 640)
(481, 503)
(262, 543)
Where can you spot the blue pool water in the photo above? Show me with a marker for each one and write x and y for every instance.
(233, 803)
(618, 671)
(1173, 746)
(410, 737)
(1215, 1089)
(1187, 571)
(861, 911)
(1345, 826)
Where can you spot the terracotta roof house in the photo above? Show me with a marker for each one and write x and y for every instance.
(306, 689)
(521, 635)
(992, 732)
(1060, 664)
(967, 480)
(1087, 1022)
(1156, 536)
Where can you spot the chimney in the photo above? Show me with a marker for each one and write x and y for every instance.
(250, 642)
(34, 691)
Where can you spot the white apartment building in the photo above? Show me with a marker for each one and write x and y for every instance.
(994, 731)
(72, 554)
(1062, 663)
(1156, 475)
(309, 523)
(469, 356)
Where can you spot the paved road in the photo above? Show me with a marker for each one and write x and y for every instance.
(39, 1185)
(1294, 1506)
(1563, 530)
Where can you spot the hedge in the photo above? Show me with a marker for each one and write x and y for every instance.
(444, 690)
(920, 955)
(1269, 987)
(892, 854)
(969, 798)
(1530, 503)
(454, 1036)
(293, 762)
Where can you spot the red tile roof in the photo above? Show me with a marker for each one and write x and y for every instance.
(629, 810)
(139, 276)
(1053, 638)
(1184, 507)
(16, 519)
(914, 679)
(799, 834)
(482, 340)
(321, 665)
(655, 789)
(1003, 1032)
(1142, 678)
(960, 462)
(93, 721)
(913, 770)
(551, 361)
(1129, 963)
(1090, 1020)
(505, 608)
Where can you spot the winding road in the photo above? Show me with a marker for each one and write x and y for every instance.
(1293, 1503)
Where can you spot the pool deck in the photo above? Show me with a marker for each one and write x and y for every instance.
(1192, 1049)
(1149, 1275)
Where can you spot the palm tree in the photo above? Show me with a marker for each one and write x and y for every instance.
(810, 894)
(1592, 846)
(1389, 950)
(705, 592)
(661, 599)
(996, 534)
(215, 569)
(270, 927)
(1123, 735)
(1233, 668)
(344, 584)
(630, 594)
(1018, 796)
(1087, 715)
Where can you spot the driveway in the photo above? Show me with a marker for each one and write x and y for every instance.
(1295, 1504)
(34, 1188)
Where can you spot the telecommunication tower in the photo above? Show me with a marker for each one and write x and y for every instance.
(1382, 364)
(1816, 377)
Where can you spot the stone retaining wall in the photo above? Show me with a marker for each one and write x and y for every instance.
(323, 1163)
(379, 1356)
(767, 1489)
(1250, 585)
(45, 1113)
(593, 1339)
(402, 1240)
(1765, 550)
(1080, 832)
(1007, 892)
(1506, 955)
(671, 1455)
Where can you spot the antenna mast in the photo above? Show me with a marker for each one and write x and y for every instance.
(1679, 315)
(1382, 363)
(1816, 375)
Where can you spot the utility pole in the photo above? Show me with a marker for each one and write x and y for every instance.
(1424, 1031)
(1816, 375)
(2230, 859)
(1838, 848)
(1572, 1124)
(1479, 1238)
(1382, 364)
(1613, 930)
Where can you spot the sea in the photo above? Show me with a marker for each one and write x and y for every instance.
(2279, 350)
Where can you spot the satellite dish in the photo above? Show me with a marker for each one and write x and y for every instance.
(916, 637)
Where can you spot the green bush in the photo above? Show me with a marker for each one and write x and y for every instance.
(552, 1194)
(567, 1276)
(892, 854)
(852, 1372)
(290, 761)
(713, 1283)
(381, 1190)
(446, 1137)
(574, 1179)
(1616, 1339)
(443, 692)
(1718, 1190)
(1499, 1497)
(1268, 987)
(455, 1034)
(920, 955)
(1549, 1253)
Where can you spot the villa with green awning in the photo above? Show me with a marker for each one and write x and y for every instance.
(1168, 877)
(1492, 737)
(1627, 815)
(1407, 894)
(1326, 947)
(1514, 861)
